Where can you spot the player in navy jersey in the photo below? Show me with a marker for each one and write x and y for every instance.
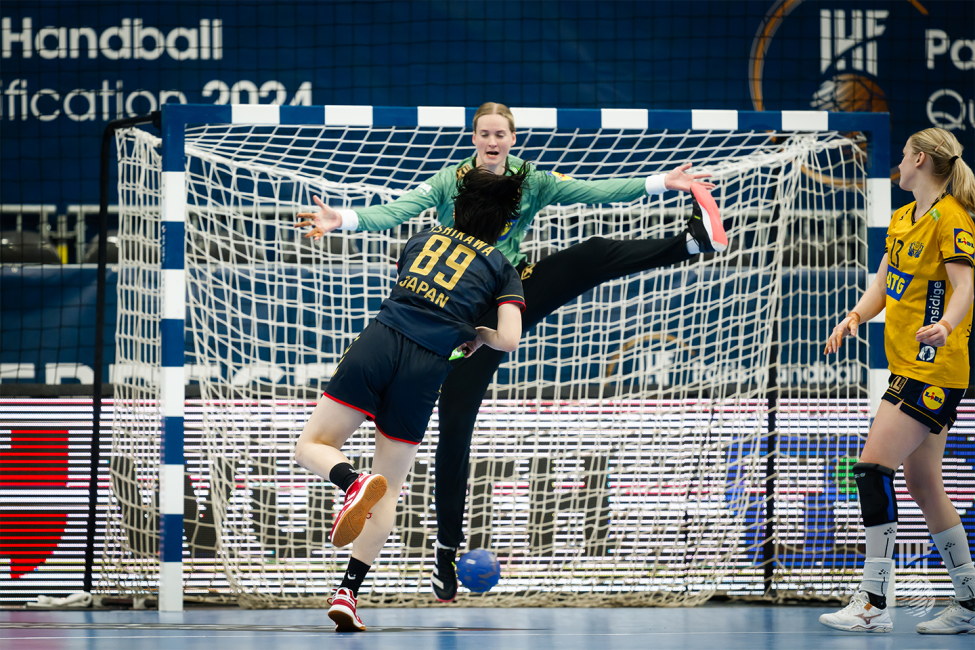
(448, 280)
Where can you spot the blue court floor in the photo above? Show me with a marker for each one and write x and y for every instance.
(711, 627)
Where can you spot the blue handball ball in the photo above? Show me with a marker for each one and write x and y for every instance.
(478, 570)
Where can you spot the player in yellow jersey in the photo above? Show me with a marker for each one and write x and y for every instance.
(925, 283)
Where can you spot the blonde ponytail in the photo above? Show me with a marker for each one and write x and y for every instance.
(963, 184)
(944, 150)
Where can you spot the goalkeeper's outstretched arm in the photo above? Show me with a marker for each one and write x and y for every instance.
(872, 302)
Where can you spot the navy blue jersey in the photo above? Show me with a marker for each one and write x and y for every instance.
(447, 281)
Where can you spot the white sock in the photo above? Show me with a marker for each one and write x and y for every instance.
(880, 540)
(692, 246)
(879, 563)
(963, 579)
(953, 546)
(876, 575)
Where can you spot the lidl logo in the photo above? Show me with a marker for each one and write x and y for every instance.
(933, 398)
(914, 250)
(897, 282)
(964, 242)
(561, 177)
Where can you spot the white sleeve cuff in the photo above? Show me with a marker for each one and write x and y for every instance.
(350, 220)
(656, 185)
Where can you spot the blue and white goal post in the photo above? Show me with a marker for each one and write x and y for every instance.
(355, 156)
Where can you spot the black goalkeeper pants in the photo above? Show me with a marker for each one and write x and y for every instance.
(553, 282)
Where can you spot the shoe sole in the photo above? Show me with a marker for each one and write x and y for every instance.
(951, 631)
(716, 232)
(353, 519)
(865, 630)
(441, 600)
(344, 620)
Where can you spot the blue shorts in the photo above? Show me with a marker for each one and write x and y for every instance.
(391, 380)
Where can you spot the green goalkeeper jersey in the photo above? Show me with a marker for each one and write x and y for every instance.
(542, 188)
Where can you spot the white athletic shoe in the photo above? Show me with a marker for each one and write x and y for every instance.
(955, 619)
(859, 616)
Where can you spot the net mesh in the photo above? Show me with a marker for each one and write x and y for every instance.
(663, 438)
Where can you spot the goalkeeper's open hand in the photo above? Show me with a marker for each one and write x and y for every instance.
(678, 179)
(325, 220)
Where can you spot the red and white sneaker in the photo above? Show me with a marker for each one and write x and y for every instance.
(705, 223)
(367, 490)
(343, 613)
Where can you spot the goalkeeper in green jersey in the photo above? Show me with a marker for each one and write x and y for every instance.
(548, 284)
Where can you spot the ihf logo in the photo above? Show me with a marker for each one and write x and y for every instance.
(848, 46)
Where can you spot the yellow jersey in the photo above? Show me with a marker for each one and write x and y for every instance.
(918, 291)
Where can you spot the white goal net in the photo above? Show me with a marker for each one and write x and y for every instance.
(666, 437)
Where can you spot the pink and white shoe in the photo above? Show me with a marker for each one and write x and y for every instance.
(343, 613)
(367, 490)
(705, 224)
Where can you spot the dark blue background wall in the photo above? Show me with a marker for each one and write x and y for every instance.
(914, 58)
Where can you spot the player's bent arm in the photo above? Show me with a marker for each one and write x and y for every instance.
(871, 303)
(509, 326)
(874, 299)
(960, 274)
(506, 337)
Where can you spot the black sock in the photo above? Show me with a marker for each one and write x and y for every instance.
(354, 575)
(343, 476)
(968, 604)
(880, 602)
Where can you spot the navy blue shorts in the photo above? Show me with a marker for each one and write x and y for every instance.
(391, 380)
(928, 404)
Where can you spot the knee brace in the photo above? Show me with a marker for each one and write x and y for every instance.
(875, 486)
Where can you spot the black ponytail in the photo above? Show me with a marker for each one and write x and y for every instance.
(486, 203)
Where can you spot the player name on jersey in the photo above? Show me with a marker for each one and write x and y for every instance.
(464, 238)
